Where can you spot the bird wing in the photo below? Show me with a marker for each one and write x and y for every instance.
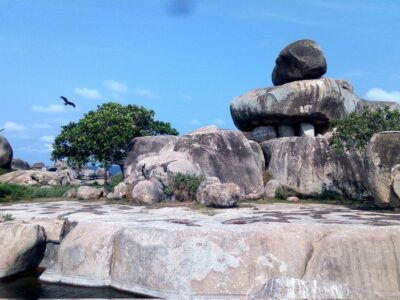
(72, 104)
(65, 99)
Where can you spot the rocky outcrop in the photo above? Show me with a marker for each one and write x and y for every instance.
(311, 167)
(38, 166)
(88, 193)
(19, 164)
(383, 154)
(36, 177)
(207, 152)
(219, 195)
(300, 60)
(306, 101)
(6, 154)
(22, 247)
(294, 288)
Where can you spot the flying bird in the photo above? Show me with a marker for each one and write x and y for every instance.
(67, 102)
(2, 129)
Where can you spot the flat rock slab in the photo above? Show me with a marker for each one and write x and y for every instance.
(178, 252)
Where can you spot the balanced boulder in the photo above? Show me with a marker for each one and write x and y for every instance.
(6, 154)
(300, 60)
(307, 101)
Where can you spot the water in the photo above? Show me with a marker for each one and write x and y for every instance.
(30, 287)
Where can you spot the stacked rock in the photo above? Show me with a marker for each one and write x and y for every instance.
(300, 103)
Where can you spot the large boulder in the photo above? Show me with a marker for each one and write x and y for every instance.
(220, 195)
(120, 191)
(22, 247)
(300, 60)
(89, 193)
(311, 167)
(19, 164)
(307, 101)
(207, 152)
(383, 154)
(146, 192)
(6, 154)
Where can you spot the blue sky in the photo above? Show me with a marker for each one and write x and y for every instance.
(187, 67)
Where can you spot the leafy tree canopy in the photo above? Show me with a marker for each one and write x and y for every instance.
(103, 136)
(355, 131)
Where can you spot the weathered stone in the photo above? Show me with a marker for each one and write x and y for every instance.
(271, 188)
(6, 153)
(88, 193)
(345, 84)
(307, 129)
(19, 164)
(71, 193)
(300, 60)
(309, 166)
(85, 255)
(294, 288)
(396, 185)
(87, 174)
(200, 196)
(50, 255)
(61, 165)
(53, 228)
(293, 199)
(22, 247)
(146, 192)
(38, 166)
(120, 191)
(30, 177)
(143, 145)
(311, 101)
(224, 154)
(285, 131)
(263, 133)
(383, 153)
(220, 195)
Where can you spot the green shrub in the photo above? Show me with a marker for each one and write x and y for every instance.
(10, 192)
(115, 180)
(183, 187)
(281, 193)
(355, 131)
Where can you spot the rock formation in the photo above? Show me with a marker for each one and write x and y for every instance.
(300, 60)
(19, 164)
(6, 153)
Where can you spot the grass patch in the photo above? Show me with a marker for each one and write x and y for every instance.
(12, 192)
(115, 180)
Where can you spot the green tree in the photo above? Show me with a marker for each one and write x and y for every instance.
(355, 131)
(103, 136)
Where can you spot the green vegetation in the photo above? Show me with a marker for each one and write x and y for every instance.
(281, 193)
(12, 192)
(184, 187)
(115, 180)
(267, 176)
(6, 217)
(355, 131)
(103, 136)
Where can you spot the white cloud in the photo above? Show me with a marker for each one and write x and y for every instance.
(12, 126)
(146, 94)
(52, 108)
(47, 138)
(115, 86)
(219, 122)
(382, 95)
(88, 93)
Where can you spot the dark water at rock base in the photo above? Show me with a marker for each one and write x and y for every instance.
(30, 287)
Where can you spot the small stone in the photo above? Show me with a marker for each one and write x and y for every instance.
(89, 193)
(285, 131)
(307, 129)
(293, 199)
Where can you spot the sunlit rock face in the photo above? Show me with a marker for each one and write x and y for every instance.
(306, 101)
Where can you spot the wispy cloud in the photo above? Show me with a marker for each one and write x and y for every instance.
(88, 93)
(12, 126)
(115, 86)
(52, 108)
(382, 95)
(146, 94)
(47, 138)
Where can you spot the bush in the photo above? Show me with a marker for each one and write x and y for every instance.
(281, 193)
(115, 180)
(183, 187)
(355, 131)
(10, 192)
